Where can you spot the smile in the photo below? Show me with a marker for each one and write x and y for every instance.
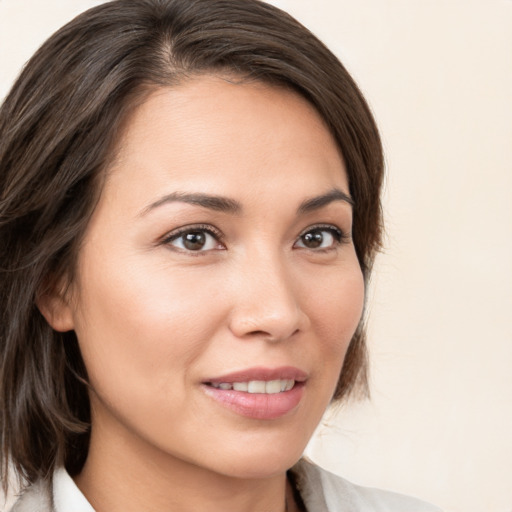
(257, 386)
(259, 393)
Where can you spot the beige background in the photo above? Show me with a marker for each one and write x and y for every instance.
(438, 75)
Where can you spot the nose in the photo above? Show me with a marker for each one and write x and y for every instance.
(267, 302)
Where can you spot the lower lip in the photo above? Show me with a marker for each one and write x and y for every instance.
(259, 406)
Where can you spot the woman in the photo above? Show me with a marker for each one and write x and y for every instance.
(189, 213)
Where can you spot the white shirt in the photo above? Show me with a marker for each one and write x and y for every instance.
(66, 495)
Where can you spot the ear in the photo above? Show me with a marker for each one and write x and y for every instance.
(55, 306)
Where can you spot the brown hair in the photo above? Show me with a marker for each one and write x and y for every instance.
(58, 127)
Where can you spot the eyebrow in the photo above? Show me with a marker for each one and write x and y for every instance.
(315, 203)
(217, 203)
(227, 205)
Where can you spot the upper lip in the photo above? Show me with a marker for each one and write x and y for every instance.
(261, 373)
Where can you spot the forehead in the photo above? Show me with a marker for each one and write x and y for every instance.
(212, 129)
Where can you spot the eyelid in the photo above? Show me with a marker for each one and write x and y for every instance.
(329, 227)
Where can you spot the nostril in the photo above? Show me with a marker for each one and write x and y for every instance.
(268, 336)
(258, 333)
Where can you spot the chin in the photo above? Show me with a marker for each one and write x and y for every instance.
(261, 462)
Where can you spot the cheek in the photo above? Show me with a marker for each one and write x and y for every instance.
(336, 311)
(147, 326)
(336, 308)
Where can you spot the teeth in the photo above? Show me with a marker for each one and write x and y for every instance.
(258, 386)
(240, 386)
(273, 386)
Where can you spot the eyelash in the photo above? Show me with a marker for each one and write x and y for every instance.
(338, 235)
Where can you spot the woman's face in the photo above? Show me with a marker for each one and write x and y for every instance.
(218, 286)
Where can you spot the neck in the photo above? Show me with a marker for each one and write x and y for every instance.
(120, 475)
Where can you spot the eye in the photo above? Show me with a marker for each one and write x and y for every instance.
(320, 237)
(195, 239)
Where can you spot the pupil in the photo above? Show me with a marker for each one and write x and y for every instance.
(194, 240)
(313, 239)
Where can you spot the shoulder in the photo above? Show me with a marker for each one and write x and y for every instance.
(36, 498)
(323, 491)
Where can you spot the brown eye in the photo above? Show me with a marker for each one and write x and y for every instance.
(313, 239)
(320, 238)
(194, 240)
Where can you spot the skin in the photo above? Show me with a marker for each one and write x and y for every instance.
(155, 320)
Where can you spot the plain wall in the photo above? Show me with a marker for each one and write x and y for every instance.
(438, 76)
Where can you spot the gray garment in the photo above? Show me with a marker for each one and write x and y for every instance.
(323, 491)
(320, 490)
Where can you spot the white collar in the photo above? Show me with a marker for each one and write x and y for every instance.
(67, 496)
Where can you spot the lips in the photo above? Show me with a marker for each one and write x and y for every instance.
(259, 393)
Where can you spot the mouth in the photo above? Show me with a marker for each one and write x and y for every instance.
(259, 393)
